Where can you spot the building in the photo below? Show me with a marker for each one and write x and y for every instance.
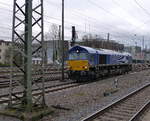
(4, 48)
(95, 43)
(52, 52)
(147, 54)
(136, 52)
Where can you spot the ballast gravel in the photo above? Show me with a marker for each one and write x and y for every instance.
(76, 103)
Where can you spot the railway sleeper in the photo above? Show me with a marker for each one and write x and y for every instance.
(128, 106)
(110, 118)
(126, 109)
(117, 117)
(103, 118)
(118, 112)
(132, 104)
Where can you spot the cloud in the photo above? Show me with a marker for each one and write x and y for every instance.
(121, 18)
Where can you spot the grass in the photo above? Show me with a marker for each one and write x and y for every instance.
(35, 115)
(80, 94)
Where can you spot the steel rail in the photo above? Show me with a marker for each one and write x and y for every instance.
(138, 114)
(48, 89)
(103, 110)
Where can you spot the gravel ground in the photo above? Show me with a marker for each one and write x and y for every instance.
(146, 116)
(76, 103)
(3, 118)
(84, 100)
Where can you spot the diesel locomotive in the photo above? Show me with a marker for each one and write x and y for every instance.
(86, 63)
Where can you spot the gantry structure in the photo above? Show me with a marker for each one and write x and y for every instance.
(27, 40)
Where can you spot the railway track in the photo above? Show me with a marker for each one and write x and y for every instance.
(47, 79)
(5, 74)
(5, 70)
(48, 89)
(4, 83)
(128, 108)
(17, 75)
(137, 116)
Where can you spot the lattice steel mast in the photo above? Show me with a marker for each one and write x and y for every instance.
(27, 17)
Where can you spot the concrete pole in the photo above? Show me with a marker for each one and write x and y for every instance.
(62, 40)
(59, 44)
(28, 52)
(108, 37)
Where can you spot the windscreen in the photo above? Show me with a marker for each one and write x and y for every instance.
(78, 56)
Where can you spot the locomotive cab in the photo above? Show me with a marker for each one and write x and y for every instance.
(80, 62)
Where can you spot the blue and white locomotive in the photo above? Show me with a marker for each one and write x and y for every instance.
(89, 63)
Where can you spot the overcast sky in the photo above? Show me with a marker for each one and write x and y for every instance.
(126, 20)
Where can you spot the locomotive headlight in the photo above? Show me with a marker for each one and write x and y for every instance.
(68, 67)
(85, 67)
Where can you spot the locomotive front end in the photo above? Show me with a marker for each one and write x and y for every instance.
(78, 65)
(78, 69)
(81, 63)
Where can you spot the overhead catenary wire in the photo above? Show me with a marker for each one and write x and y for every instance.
(145, 10)
(110, 13)
(90, 2)
(89, 18)
(58, 19)
(68, 28)
(79, 14)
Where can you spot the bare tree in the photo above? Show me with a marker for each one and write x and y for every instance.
(52, 34)
(54, 31)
